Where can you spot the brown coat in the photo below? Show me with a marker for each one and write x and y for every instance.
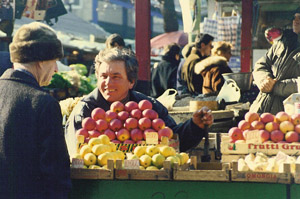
(211, 70)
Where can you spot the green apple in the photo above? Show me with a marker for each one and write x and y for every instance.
(158, 160)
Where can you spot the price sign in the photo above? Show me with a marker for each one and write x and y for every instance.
(253, 137)
(77, 163)
(151, 138)
(132, 164)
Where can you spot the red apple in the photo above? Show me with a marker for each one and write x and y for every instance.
(295, 118)
(276, 136)
(267, 117)
(115, 124)
(86, 140)
(251, 116)
(167, 132)
(101, 125)
(131, 123)
(264, 135)
(136, 113)
(282, 116)
(82, 132)
(94, 134)
(117, 106)
(116, 141)
(271, 126)
(128, 142)
(235, 133)
(286, 126)
(145, 104)
(88, 123)
(244, 125)
(158, 124)
(110, 134)
(144, 123)
(149, 113)
(123, 115)
(123, 134)
(292, 136)
(98, 113)
(136, 135)
(297, 128)
(129, 106)
(109, 115)
(257, 125)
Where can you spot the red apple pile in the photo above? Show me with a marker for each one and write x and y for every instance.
(279, 128)
(124, 123)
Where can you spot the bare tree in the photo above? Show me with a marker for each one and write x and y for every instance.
(167, 9)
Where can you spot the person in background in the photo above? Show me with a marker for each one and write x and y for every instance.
(163, 75)
(34, 161)
(4, 62)
(214, 66)
(114, 41)
(276, 73)
(180, 84)
(116, 72)
(203, 46)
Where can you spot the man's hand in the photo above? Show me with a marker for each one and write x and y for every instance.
(203, 117)
(266, 86)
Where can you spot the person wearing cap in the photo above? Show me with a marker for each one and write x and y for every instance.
(276, 73)
(163, 75)
(34, 161)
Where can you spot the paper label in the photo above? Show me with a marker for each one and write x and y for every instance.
(253, 137)
(77, 163)
(151, 138)
(132, 164)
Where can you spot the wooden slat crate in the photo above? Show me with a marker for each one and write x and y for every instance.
(296, 175)
(105, 174)
(138, 174)
(253, 176)
(206, 171)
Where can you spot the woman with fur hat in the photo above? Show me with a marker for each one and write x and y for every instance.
(214, 66)
(34, 161)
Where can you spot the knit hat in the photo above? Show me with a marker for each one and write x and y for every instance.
(35, 42)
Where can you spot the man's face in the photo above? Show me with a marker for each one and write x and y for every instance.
(46, 71)
(296, 23)
(206, 49)
(113, 83)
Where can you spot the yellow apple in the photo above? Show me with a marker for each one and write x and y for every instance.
(142, 168)
(185, 157)
(151, 150)
(104, 139)
(94, 167)
(180, 157)
(132, 157)
(112, 146)
(139, 150)
(89, 159)
(120, 155)
(172, 159)
(84, 150)
(152, 168)
(145, 160)
(102, 159)
(101, 148)
(167, 151)
(158, 160)
(94, 141)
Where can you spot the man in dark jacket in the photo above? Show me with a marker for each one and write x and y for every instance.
(193, 81)
(276, 73)
(116, 71)
(34, 161)
(163, 75)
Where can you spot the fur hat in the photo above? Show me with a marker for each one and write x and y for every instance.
(35, 42)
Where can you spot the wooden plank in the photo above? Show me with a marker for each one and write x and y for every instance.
(296, 175)
(269, 177)
(83, 173)
(202, 172)
(137, 174)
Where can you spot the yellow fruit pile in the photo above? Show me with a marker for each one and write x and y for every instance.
(98, 150)
(152, 157)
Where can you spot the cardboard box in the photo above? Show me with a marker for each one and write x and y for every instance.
(289, 103)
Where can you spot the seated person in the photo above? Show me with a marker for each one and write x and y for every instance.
(116, 72)
(214, 66)
(163, 75)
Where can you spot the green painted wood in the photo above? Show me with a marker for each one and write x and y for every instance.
(295, 191)
(117, 189)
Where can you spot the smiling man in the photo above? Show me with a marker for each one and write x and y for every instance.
(276, 73)
(116, 71)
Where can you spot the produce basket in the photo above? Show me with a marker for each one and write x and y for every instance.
(243, 80)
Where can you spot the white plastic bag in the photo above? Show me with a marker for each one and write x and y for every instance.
(230, 91)
(168, 98)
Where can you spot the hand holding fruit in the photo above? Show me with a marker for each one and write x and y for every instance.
(203, 117)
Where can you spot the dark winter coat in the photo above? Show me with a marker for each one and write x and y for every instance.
(193, 81)
(34, 161)
(163, 76)
(189, 134)
(211, 70)
(282, 61)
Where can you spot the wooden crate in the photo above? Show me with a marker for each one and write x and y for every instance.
(296, 175)
(269, 177)
(105, 174)
(206, 171)
(138, 174)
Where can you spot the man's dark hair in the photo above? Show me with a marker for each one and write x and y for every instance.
(114, 39)
(203, 38)
(171, 50)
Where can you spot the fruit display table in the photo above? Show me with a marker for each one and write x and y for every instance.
(137, 189)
